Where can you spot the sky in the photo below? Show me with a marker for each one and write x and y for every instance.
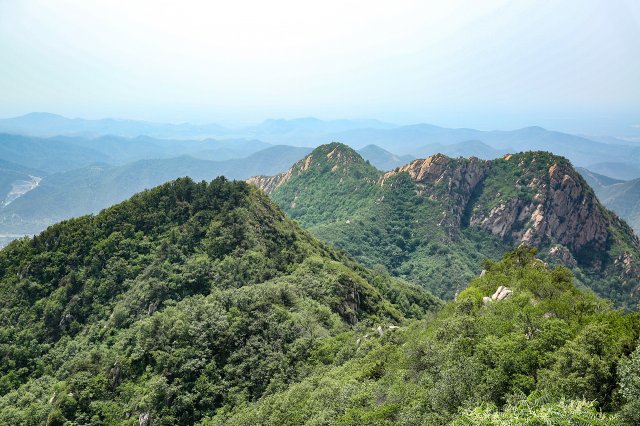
(571, 65)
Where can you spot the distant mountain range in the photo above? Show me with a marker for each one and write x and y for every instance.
(44, 124)
(63, 153)
(608, 156)
(92, 188)
(623, 197)
(619, 170)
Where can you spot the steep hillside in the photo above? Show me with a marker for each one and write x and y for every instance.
(433, 220)
(545, 354)
(184, 300)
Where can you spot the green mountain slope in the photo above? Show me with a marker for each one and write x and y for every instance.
(545, 354)
(434, 220)
(184, 300)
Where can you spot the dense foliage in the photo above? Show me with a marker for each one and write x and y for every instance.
(201, 303)
(549, 354)
(182, 300)
(419, 231)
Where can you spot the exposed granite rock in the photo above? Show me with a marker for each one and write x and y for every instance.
(270, 183)
(564, 210)
(563, 254)
(501, 293)
(450, 180)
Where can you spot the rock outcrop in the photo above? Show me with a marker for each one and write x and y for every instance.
(500, 294)
(563, 209)
(535, 198)
(541, 201)
(451, 180)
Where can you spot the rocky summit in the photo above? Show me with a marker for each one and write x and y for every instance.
(462, 210)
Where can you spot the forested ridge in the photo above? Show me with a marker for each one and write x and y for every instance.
(434, 220)
(202, 303)
(184, 299)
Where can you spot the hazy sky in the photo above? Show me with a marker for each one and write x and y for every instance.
(564, 64)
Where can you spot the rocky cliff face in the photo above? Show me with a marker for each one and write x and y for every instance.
(431, 211)
(563, 209)
(453, 181)
(532, 198)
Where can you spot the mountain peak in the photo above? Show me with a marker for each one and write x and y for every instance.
(336, 152)
(334, 158)
(533, 197)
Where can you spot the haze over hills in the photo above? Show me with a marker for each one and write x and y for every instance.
(319, 213)
(383, 159)
(42, 124)
(90, 189)
(621, 196)
(63, 153)
(432, 220)
(418, 140)
(47, 125)
(618, 170)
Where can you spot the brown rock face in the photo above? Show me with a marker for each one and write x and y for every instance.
(563, 254)
(563, 210)
(450, 180)
(270, 183)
